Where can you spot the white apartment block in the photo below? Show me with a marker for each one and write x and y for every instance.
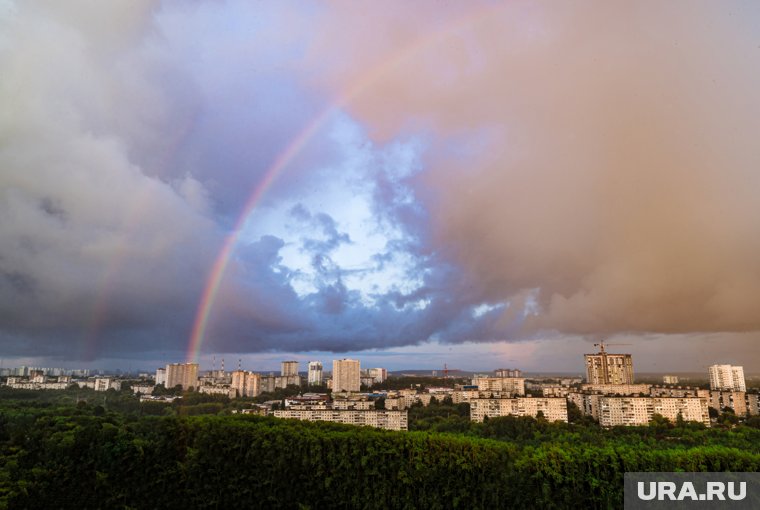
(315, 373)
(347, 404)
(508, 372)
(727, 377)
(142, 389)
(670, 379)
(107, 383)
(160, 376)
(513, 385)
(677, 391)
(23, 384)
(378, 374)
(611, 411)
(548, 390)
(346, 375)
(553, 409)
(617, 389)
(390, 420)
(226, 391)
(690, 409)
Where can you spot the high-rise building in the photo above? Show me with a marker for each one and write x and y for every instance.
(247, 384)
(513, 385)
(727, 377)
(315, 373)
(508, 372)
(379, 375)
(346, 375)
(160, 376)
(606, 368)
(289, 368)
(670, 379)
(183, 374)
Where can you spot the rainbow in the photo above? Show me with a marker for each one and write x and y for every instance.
(222, 260)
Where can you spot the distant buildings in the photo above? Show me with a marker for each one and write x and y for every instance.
(670, 379)
(390, 420)
(161, 376)
(346, 375)
(107, 383)
(606, 368)
(512, 385)
(182, 374)
(508, 372)
(379, 375)
(314, 376)
(727, 377)
(289, 368)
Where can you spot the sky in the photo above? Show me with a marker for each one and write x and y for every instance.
(479, 184)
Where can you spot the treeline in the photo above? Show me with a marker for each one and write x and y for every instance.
(79, 457)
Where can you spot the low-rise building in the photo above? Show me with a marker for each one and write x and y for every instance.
(617, 389)
(107, 383)
(383, 419)
(142, 389)
(226, 391)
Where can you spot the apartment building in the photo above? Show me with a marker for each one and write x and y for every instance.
(382, 419)
(512, 385)
(553, 409)
(346, 375)
(727, 377)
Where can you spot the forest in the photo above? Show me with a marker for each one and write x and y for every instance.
(88, 450)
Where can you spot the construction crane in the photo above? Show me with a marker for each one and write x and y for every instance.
(602, 344)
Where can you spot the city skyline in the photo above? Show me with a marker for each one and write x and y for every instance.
(476, 185)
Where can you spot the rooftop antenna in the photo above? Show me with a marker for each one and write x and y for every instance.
(222, 365)
(240, 361)
(213, 364)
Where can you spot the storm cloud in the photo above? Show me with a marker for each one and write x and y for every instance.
(456, 173)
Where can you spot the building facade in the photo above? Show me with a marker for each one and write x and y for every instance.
(606, 368)
(289, 368)
(379, 375)
(513, 385)
(617, 410)
(346, 375)
(727, 377)
(160, 376)
(508, 372)
(553, 409)
(245, 383)
(315, 373)
(390, 420)
(182, 374)
(107, 383)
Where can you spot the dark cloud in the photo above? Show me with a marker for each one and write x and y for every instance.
(606, 189)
